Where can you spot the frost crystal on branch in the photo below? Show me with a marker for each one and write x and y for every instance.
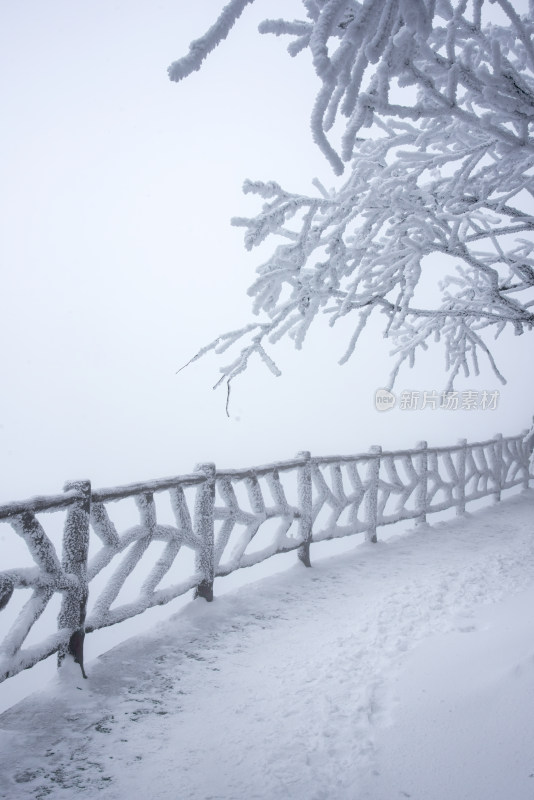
(431, 103)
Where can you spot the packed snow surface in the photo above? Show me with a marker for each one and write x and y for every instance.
(403, 669)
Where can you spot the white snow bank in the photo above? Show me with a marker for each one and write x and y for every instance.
(464, 724)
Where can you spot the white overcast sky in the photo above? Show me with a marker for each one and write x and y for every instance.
(118, 259)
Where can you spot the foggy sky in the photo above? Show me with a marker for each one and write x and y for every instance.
(119, 261)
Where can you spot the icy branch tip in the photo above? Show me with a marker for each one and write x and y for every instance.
(199, 49)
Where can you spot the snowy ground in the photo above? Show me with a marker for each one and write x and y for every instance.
(398, 670)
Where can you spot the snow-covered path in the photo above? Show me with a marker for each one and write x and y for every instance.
(302, 685)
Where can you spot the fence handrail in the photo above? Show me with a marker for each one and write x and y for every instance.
(357, 494)
(41, 503)
(132, 489)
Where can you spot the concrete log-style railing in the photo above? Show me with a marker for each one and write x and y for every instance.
(228, 519)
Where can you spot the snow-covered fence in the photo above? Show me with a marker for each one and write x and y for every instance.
(110, 569)
(49, 576)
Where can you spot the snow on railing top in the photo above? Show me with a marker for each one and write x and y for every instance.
(264, 469)
(35, 504)
(125, 549)
(132, 489)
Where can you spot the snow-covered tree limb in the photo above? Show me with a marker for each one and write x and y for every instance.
(201, 48)
(438, 103)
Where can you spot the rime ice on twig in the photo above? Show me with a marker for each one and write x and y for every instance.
(433, 107)
(200, 48)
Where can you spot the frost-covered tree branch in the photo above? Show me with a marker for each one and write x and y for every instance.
(438, 107)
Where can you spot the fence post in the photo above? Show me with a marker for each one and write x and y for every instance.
(304, 494)
(527, 445)
(371, 496)
(204, 530)
(6, 590)
(74, 562)
(422, 489)
(498, 466)
(460, 508)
